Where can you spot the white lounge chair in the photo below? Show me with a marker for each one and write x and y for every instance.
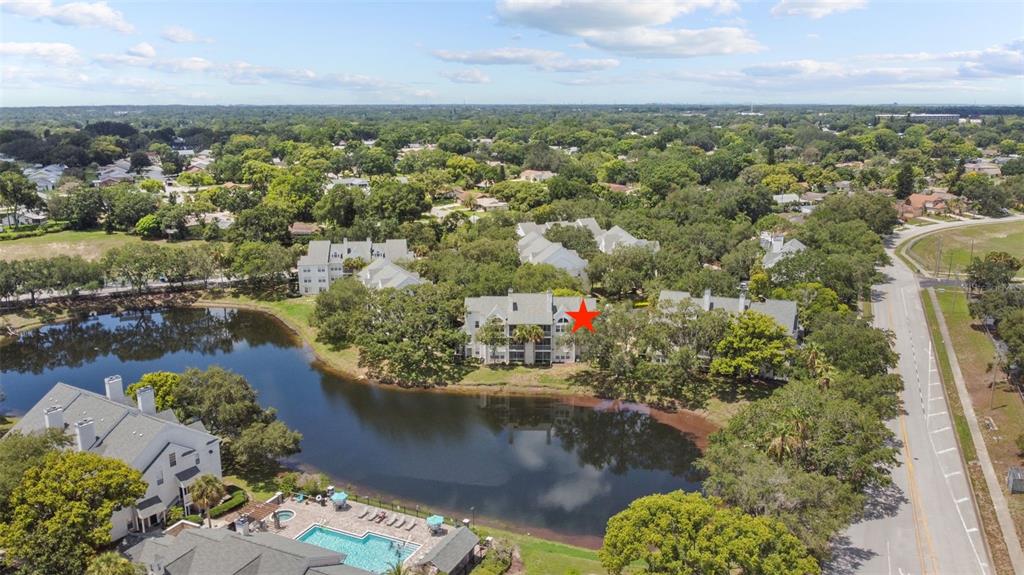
(393, 520)
(411, 525)
(365, 512)
(401, 522)
(372, 515)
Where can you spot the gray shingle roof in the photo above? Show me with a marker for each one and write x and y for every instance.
(122, 431)
(385, 274)
(224, 552)
(782, 311)
(452, 550)
(525, 308)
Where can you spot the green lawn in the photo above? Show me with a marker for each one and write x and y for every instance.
(261, 491)
(955, 245)
(543, 557)
(90, 245)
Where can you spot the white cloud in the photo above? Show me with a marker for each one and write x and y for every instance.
(182, 35)
(1001, 60)
(18, 77)
(816, 9)
(573, 17)
(678, 43)
(633, 28)
(544, 60)
(78, 14)
(470, 76)
(56, 53)
(142, 50)
(137, 57)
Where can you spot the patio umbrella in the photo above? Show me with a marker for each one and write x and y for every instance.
(435, 520)
(339, 498)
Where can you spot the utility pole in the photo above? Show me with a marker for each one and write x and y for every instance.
(938, 258)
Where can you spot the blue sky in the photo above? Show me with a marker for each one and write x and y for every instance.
(510, 51)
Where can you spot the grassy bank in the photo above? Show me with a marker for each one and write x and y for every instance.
(954, 246)
(543, 557)
(91, 245)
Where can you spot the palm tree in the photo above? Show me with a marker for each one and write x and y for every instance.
(491, 334)
(818, 365)
(112, 563)
(528, 333)
(207, 491)
(396, 568)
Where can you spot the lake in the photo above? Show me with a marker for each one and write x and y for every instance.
(554, 466)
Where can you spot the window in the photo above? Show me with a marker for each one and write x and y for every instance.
(172, 459)
(197, 460)
(476, 324)
(160, 478)
(515, 306)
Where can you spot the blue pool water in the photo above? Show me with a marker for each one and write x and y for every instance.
(371, 552)
(285, 515)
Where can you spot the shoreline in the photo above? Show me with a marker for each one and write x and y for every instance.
(700, 420)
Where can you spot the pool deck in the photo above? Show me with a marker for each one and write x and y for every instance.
(347, 520)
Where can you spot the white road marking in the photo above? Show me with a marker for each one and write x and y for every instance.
(947, 428)
(952, 473)
(962, 499)
(945, 451)
(937, 413)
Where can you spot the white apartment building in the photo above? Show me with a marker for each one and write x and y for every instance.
(515, 309)
(170, 455)
(325, 261)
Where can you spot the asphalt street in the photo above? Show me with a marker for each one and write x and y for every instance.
(927, 523)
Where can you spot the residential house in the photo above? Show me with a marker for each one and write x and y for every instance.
(534, 248)
(361, 183)
(303, 229)
(784, 312)
(169, 454)
(983, 167)
(812, 197)
(515, 309)
(785, 199)
(917, 205)
(225, 552)
(45, 177)
(843, 186)
(324, 261)
(222, 220)
(489, 204)
(536, 175)
(607, 240)
(922, 118)
(22, 217)
(777, 248)
(455, 554)
(386, 274)
(621, 188)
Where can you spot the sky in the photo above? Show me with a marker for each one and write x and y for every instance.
(85, 52)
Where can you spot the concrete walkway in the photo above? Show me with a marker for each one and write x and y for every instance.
(995, 486)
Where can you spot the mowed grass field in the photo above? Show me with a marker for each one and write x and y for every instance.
(90, 245)
(955, 245)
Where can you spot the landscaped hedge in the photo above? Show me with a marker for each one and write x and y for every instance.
(15, 233)
(238, 499)
(194, 519)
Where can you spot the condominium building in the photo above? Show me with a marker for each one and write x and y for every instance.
(170, 455)
(523, 309)
(326, 261)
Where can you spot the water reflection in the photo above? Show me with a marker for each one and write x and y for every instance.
(559, 464)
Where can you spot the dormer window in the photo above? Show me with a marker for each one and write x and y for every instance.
(172, 459)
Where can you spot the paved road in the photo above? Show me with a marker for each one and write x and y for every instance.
(927, 523)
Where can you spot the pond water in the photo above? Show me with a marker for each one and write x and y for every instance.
(558, 466)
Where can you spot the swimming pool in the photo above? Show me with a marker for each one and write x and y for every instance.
(371, 552)
(285, 515)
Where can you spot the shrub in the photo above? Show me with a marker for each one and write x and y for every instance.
(237, 499)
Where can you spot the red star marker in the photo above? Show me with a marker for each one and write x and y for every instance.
(583, 317)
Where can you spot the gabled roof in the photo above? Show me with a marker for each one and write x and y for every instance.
(384, 274)
(784, 312)
(122, 431)
(224, 552)
(452, 550)
(525, 308)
